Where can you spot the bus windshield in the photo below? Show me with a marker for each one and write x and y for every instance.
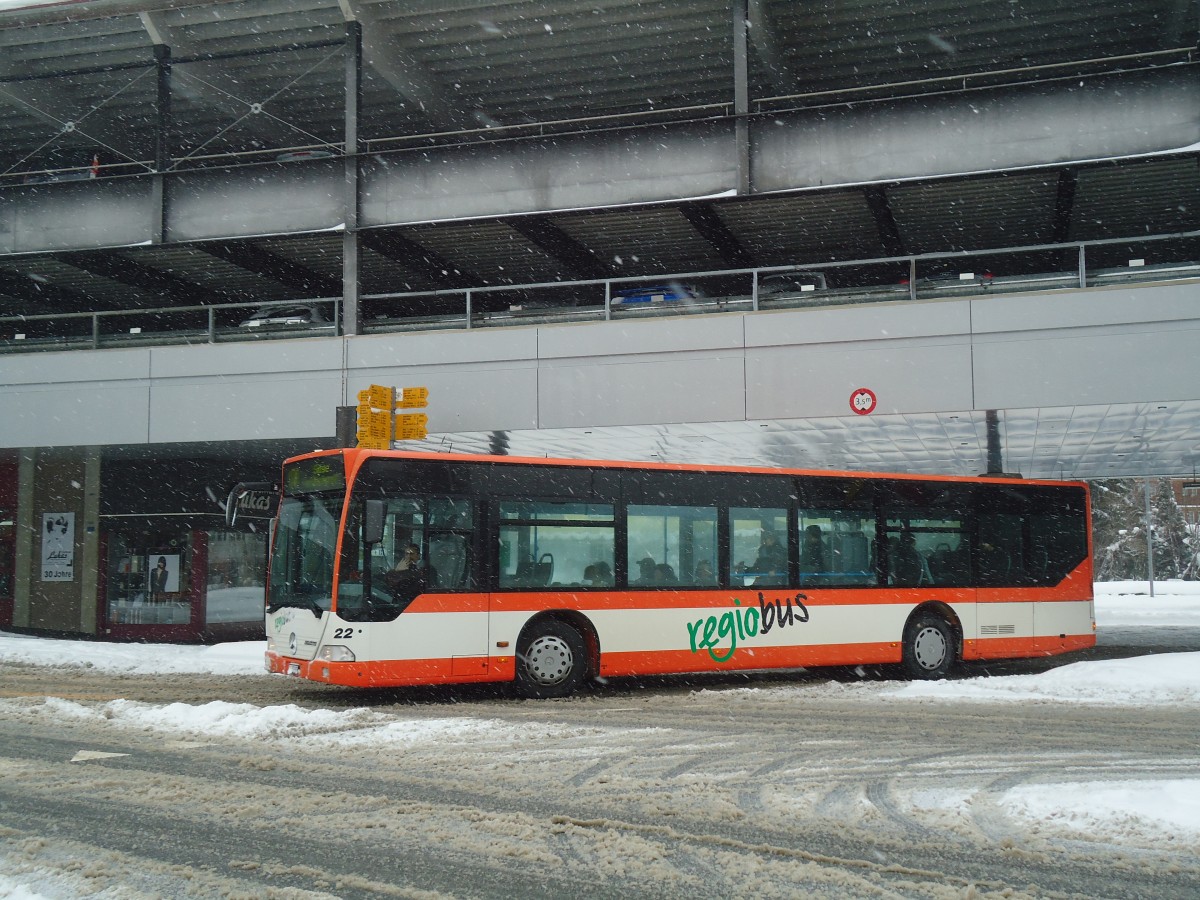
(303, 555)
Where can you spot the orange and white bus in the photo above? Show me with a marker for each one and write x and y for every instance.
(394, 568)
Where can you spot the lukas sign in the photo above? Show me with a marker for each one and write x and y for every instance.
(257, 504)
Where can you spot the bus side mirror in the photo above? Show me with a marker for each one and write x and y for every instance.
(373, 521)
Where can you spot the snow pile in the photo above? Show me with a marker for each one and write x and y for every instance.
(239, 658)
(1166, 680)
(352, 727)
(1128, 604)
(1117, 810)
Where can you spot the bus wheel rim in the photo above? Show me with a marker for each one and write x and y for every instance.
(549, 660)
(929, 648)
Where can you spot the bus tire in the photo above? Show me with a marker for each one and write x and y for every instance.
(551, 660)
(929, 647)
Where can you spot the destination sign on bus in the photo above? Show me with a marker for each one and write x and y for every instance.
(308, 475)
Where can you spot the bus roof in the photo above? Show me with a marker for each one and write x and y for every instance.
(357, 456)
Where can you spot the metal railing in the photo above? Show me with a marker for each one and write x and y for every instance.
(202, 324)
(832, 283)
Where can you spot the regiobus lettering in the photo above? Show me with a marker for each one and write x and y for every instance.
(393, 568)
(739, 624)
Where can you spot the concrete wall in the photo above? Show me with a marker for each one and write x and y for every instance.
(1017, 351)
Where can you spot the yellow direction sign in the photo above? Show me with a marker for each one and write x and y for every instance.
(413, 398)
(374, 430)
(375, 417)
(378, 397)
(411, 426)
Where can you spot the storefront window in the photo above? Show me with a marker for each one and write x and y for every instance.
(237, 577)
(7, 569)
(149, 583)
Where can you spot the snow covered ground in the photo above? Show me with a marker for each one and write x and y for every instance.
(1138, 812)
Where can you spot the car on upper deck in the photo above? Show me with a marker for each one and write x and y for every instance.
(673, 292)
(297, 315)
(782, 285)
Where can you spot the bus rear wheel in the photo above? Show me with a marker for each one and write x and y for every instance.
(551, 660)
(929, 648)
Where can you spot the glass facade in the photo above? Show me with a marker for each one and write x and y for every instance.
(171, 569)
(236, 582)
(149, 580)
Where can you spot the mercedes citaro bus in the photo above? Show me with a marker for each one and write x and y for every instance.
(395, 568)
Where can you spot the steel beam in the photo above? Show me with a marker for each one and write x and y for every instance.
(543, 233)
(1118, 116)
(353, 60)
(885, 221)
(1064, 206)
(145, 278)
(246, 255)
(411, 79)
(162, 143)
(713, 229)
(416, 258)
(48, 298)
(741, 97)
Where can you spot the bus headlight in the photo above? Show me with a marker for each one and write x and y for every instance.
(270, 645)
(335, 653)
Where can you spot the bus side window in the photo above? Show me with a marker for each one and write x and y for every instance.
(927, 548)
(546, 544)
(674, 545)
(836, 541)
(1001, 552)
(441, 529)
(758, 546)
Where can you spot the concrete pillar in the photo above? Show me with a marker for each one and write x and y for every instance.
(25, 533)
(64, 482)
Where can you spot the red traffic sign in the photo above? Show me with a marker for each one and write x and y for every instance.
(863, 401)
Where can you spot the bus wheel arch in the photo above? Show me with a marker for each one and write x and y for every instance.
(932, 643)
(556, 654)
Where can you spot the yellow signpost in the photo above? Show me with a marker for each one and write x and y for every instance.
(377, 427)
(375, 417)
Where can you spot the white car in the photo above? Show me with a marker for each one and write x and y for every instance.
(788, 284)
(300, 315)
(300, 155)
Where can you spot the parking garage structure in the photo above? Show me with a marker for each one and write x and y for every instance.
(219, 221)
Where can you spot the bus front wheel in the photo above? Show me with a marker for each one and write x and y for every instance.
(551, 660)
(929, 648)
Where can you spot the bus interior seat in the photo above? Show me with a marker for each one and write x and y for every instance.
(536, 574)
(939, 563)
(926, 575)
(852, 553)
(448, 556)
